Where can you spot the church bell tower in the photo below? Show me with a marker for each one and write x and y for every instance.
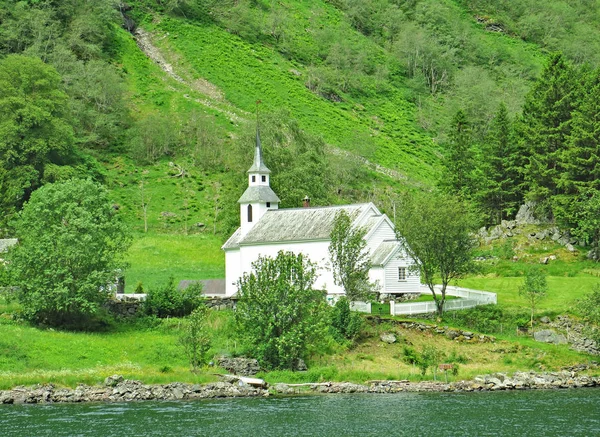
(258, 197)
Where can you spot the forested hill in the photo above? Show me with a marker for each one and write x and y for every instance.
(360, 99)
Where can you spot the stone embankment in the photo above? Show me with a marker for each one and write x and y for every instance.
(494, 382)
(116, 389)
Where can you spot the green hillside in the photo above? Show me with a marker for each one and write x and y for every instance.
(160, 97)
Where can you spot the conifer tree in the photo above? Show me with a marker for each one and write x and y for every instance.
(459, 162)
(546, 124)
(582, 157)
(499, 193)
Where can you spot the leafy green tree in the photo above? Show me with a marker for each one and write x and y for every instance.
(459, 160)
(344, 323)
(350, 261)
(71, 247)
(534, 289)
(279, 315)
(195, 338)
(436, 231)
(34, 128)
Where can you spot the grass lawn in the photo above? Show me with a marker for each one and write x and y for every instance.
(562, 291)
(156, 257)
(148, 351)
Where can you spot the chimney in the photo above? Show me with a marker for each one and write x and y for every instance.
(306, 202)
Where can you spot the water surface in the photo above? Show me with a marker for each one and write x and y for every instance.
(516, 413)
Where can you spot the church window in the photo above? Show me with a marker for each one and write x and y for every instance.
(268, 204)
(253, 178)
(249, 213)
(401, 273)
(264, 178)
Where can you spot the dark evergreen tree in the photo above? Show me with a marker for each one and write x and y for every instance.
(581, 159)
(500, 188)
(546, 124)
(459, 162)
(578, 207)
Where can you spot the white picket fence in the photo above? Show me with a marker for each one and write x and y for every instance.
(467, 299)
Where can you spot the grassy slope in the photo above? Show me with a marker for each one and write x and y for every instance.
(250, 72)
(151, 353)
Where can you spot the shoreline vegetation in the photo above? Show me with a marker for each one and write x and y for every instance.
(117, 389)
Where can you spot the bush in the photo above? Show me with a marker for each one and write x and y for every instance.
(488, 319)
(167, 301)
(344, 323)
(195, 339)
(589, 307)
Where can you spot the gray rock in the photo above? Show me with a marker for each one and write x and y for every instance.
(239, 366)
(545, 319)
(525, 215)
(549, 336)
(570, 247)
(112, 381)
(301, 365)
(388, 337)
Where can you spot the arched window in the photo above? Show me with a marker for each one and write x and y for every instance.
(249, 213)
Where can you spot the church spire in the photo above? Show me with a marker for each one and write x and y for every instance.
(258, 166)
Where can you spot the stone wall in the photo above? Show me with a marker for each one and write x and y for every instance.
(131, 307)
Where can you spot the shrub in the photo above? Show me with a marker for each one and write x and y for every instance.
(489, 319)
(167, 301)
(195, 339)
(589, 307)
(344, 323)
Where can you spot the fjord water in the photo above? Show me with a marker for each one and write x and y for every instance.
(517, 413)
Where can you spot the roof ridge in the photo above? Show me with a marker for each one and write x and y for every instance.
(300, 208)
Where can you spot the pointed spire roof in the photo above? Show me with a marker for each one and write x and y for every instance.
(258, 166)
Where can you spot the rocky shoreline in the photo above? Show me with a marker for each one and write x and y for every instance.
(117, 389)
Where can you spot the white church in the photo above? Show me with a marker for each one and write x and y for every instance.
(265, 230)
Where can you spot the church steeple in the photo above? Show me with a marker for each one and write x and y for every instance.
(258, 197)
(258, 166)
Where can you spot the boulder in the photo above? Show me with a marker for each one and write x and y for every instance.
(301, 365)
(452, 334)
(525, 215)
(549, 336)
(388, 337)
(112, 381)
(239, 366)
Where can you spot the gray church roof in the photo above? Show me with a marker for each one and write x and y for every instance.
(295, 224)
(259, 193)
(383, 252)
(258, 166)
